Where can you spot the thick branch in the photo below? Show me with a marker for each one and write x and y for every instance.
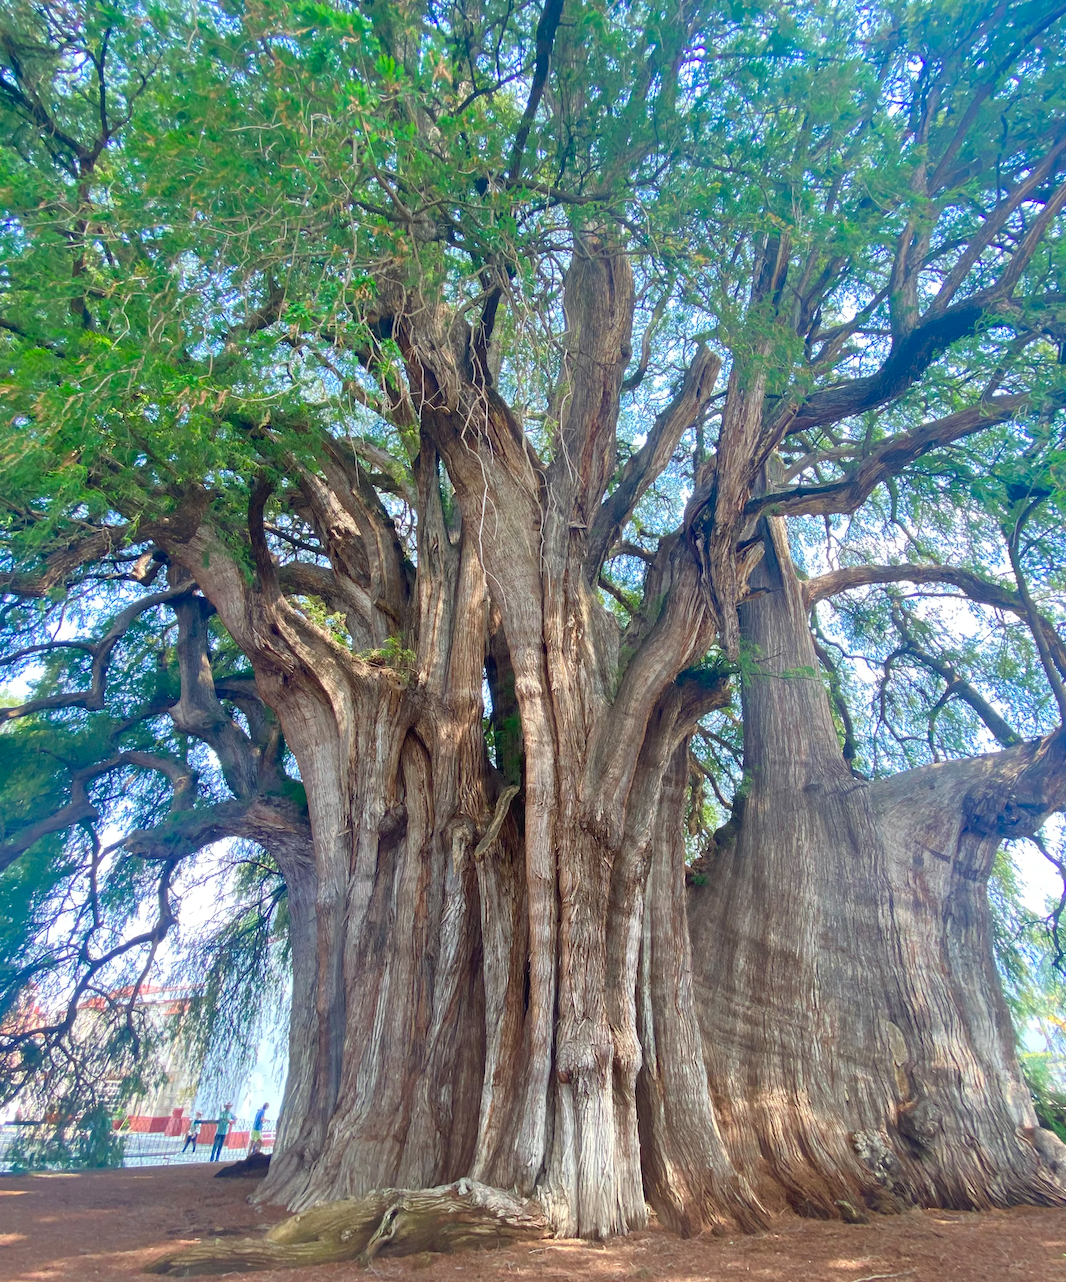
(81, 809)
(78, 810)
(83, 550)
(908, 360)
(1002, 795)
(198, 712)
(598, 303)
(545, 39)
(271, 822)
(961, 688)
(390, 577)
(302, 578)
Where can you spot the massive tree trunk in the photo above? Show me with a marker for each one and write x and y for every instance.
(597, 734)
(466, 960)
(681, 1144)
(388, 1023)
(858, 1044)
(499, 972)
(491, 942)
(478, 928)
(398, 786)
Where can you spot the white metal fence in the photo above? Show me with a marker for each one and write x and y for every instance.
(147, 1148)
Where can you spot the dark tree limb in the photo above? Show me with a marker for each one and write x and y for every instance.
(270, 821)
(92, 700)
(80, 808)
(971, 585)
(545, 40)
(79, 550)
(1032, 615)
(198, 712)
(957, 687)
(888, 459)
(908, 360)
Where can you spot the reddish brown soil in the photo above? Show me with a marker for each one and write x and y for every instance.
(108, 1225)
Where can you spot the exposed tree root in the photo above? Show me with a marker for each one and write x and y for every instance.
(252, 1167)
(452, 1217)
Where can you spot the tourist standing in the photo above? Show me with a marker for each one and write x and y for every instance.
(256, 1137)
(193, 1133)
(222, 1125)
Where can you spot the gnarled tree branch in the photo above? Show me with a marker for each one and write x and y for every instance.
(92, 700)
(971, 585)
(888, 459)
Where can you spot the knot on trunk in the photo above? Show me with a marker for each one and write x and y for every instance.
(1031, 790)
(874, 1150)
(920, 1121)
(990, 813)
(1051, 1149)
(393, 826)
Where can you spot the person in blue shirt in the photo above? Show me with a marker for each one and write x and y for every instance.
(256, 1137)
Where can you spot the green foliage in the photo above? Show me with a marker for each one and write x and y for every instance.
(1025, 949)
(89, 1143)
(1049, 1095)
(27, 891)
(237, 965)
(72, 1091)
(393, 654)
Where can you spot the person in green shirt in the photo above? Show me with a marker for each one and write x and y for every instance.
(222, 1126)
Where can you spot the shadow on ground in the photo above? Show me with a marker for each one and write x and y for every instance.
(107, 1225)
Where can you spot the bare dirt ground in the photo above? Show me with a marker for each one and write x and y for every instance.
(107, 1225)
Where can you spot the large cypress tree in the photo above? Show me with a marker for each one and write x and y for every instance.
(431, 395)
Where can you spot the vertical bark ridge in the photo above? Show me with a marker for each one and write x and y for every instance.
(505, 951)
(392, 758)
(688, 1175)
(293, 1153)
(414, 1045)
